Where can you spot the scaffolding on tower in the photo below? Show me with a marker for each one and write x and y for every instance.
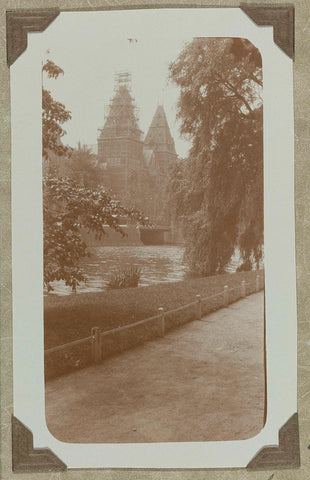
(121, 114)
(122, 79)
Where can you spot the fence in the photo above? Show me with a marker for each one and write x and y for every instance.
(100, 345)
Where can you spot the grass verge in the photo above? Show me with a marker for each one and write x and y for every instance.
(71, 317)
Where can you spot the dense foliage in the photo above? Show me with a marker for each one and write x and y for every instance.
(83, 167)
(68, 207)
(218, 191)
(54, 115)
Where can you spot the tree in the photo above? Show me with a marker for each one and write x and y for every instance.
(69, 206)
(84, 167)
(54, 115)
(218, 191)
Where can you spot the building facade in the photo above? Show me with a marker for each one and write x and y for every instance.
(136, 170)
(159, 151)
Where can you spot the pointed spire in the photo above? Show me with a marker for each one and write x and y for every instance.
(158, 136)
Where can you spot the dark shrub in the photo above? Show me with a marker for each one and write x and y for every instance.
(125, 277)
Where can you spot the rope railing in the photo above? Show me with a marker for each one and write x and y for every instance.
(130, 325)
(96, 335)
(70, 344)
(212, 296)
(182, 307)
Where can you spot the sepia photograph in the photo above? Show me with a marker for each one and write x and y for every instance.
(153, 239)
(154, 302)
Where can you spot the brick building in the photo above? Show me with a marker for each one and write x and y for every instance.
(136, 169)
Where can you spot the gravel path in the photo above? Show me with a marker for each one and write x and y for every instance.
(202, 382)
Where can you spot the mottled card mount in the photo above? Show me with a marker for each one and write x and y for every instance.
(19, 23)
(286, 455)
(25, 458)
(281, 18)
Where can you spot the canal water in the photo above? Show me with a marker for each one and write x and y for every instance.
(158, 263)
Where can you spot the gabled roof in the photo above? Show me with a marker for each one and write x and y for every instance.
(158, 136)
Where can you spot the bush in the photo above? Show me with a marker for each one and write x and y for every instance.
(125, 277)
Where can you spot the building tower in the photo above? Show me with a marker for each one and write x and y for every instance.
(159, 150)
(120, 145)
(159, 154)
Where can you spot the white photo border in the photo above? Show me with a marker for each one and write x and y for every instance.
(27, 244)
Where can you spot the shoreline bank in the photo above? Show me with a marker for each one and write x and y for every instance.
(71, 318)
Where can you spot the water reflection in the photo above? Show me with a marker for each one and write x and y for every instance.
(159, 264)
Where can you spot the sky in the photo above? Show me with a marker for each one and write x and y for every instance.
(92, 47)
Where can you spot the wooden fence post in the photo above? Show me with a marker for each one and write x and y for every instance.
(198, 298)
(257, 283)
(96, 344)
(243, 291)
(162, 313)
(225, 295)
